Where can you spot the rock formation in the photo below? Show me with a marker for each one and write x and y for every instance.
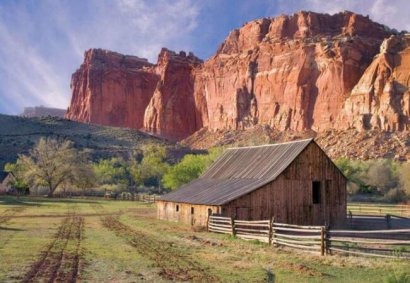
(112, 89)
(42, 111)
(381, 99)
(307, 71)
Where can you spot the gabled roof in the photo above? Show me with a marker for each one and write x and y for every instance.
(3, 175)
(239, 171)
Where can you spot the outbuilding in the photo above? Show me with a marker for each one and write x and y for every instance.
(5, 182)
(294, 182)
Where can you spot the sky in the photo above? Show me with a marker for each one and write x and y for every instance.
(42, 42)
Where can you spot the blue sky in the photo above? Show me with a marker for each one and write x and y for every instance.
(42, 42)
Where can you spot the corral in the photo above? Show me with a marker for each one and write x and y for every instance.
(294, 182)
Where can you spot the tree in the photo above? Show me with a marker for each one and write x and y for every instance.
(190, 168)
(380, 175)
(49, 163)
(84, 176)
(18, 182)
(111, 171)
(404, 176)
(151, 168)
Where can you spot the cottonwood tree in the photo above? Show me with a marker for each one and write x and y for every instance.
(152, 166)
(84, 177)
(190, 168)
(49, 163)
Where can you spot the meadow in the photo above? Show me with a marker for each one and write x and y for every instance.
(95, 240)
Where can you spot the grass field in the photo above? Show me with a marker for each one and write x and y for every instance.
(117, 241)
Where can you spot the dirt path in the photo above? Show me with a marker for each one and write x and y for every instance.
(174, 264)
(60, 260)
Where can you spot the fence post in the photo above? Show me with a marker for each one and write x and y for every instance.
(350, 219)
(270, 232)
(322, 241)
(233, 227)
(207, 223)
(388, 221)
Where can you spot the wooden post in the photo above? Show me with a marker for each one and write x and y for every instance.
(351, 219)
(233, 227)
(322, 241)
(270, 231)
(207, 223)
(388, 221)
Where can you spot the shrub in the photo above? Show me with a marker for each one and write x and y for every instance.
(190, 168)
(395, 195)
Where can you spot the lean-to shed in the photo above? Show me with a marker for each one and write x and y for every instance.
(294, 182)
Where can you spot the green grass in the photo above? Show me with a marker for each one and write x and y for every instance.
(28, 225)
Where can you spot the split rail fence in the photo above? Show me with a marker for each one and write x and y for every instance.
(390, 243)
(379, 209)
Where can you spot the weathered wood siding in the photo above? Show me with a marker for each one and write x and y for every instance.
(289, 198)
(199, 217)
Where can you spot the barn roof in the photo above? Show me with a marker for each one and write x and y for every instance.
(239, 171)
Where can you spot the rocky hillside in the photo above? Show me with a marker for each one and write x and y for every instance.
(354, 144)
(42, 111)
(304, 72)
(18, 135)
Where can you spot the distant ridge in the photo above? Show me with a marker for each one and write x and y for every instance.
(42, 111)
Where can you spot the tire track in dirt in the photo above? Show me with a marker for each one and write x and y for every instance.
(9, 214)
(174, 264)
(60, 260)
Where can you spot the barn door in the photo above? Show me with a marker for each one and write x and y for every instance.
(242, 213)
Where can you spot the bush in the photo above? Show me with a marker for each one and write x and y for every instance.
(395, 195)
(190, 168)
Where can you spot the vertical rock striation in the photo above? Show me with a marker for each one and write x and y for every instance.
(299, 72)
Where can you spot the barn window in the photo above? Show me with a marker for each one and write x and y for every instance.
(209, 211)
(177, 208)
(192, 210)
(316, 192)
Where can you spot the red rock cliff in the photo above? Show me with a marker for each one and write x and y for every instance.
(112, 89)
(305, 71)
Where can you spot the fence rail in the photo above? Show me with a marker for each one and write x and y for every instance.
(389, 243)
(379, 209)
(379, 243)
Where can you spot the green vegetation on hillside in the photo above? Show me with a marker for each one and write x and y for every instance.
(56, 165)
(18, 135)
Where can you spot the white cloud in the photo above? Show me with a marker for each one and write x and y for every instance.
(42, 43)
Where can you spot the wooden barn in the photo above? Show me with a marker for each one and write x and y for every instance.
(294, 182)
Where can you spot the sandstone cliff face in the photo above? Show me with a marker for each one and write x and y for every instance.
(112, 89)
(172, 111)
(307, 71)
(291, 72)
(381, 99)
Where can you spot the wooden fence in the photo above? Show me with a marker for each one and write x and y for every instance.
(253, 230)
(220, 224)
(310, 238)
(145, 198)
(379, 209)
(381, 243)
